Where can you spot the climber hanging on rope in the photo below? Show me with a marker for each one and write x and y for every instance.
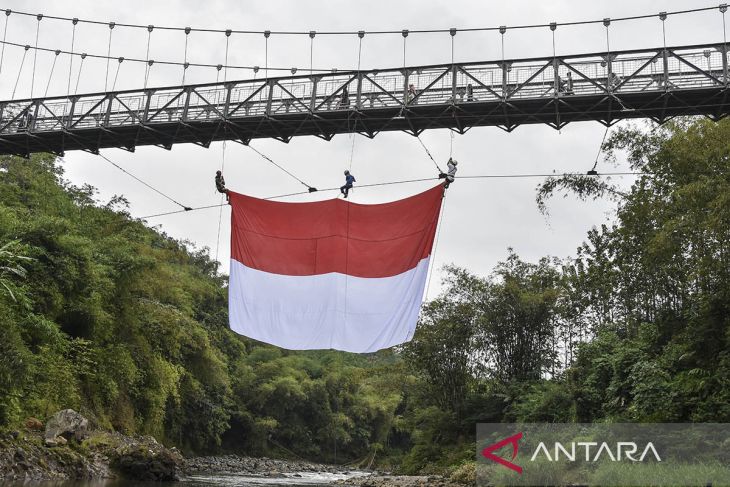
(349, 179)
(450, 175)
(220, 185)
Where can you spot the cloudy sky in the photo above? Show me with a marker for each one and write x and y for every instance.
(482, 218)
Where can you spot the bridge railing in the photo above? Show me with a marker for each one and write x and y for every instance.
(652, 70)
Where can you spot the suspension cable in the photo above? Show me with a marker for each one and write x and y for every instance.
(663, 18)
(71, 52)
(266, 53)
(376, 32)
(723, 10)
(22, 62)
(185, 58)
(353, 133)
(311, 51)
(225, 71)
(310, 189)
(148, 68)
(116, 75)
(35, 54)
(81, 67)
(5, 31)
(404, 33)
(50, 76)
(108, 55)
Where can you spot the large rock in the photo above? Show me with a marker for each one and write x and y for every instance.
(67, 423)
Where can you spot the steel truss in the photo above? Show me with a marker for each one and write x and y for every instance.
(657, 84)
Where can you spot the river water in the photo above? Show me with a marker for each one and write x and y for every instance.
(302, 479)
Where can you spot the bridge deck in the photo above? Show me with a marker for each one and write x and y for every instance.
(653, 83)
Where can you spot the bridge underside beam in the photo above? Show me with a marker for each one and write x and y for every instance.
(558, 111)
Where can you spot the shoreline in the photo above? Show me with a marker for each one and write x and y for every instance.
(113, 456)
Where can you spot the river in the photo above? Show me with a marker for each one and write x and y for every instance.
(302, 479)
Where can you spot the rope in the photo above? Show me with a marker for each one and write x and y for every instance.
(35, 55)
(50, 76)
(19, 72)
(185, 208)
(266, 55)
(311, 53)
(406, 181)
(374, 32)
(309, 188)
(429, 154)
(5, 31)
(600, 148)
(220, 211)
(435, 246)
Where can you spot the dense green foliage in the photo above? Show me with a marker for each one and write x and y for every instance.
(105, 315)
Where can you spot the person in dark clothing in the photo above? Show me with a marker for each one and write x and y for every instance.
(345, 98)
(349, 179)
(220, 184)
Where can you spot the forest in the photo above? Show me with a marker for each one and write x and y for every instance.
(102, 313)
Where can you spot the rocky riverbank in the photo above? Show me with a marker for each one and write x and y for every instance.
(255, 466)
(378, 480)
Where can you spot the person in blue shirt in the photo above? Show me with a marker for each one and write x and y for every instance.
(349, 179)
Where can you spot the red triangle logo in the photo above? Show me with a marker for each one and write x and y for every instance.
(488, 452)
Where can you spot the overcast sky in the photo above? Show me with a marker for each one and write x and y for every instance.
(482, 218)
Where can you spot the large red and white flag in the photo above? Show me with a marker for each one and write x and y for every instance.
(330, 274)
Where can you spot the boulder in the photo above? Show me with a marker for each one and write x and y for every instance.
(34, 424)
(67, 423)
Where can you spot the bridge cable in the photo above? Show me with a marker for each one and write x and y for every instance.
(663, 18)
(407, 181)
(148, 68)
(81, 67)
(50, 76)
(35, 54)
(184, 208)
(311, 50)
(5, 31)
(723, 10)
(71, 57)
(19, 72)
(225, 71)
(116, 75)
(185, 57)
(379, 32)
(108, 55)
(310, 189)
(266, 53)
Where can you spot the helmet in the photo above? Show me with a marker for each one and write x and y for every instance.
(218, 173)
(454, 162)
(347, 172)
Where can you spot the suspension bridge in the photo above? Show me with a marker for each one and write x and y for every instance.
(658, 84)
